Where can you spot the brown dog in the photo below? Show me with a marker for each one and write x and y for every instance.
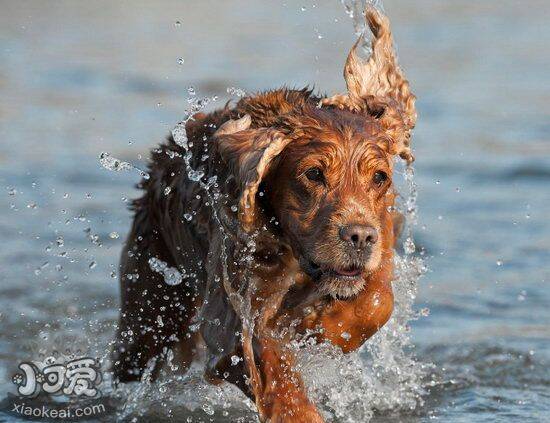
(294, 233)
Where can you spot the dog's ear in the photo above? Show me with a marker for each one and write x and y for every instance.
(377, 86)
(249, 153)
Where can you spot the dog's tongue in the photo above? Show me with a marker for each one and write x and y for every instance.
(348, 272)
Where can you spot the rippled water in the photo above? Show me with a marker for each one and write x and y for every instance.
(79, 79)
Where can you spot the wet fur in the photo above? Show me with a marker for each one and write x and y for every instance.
(160, 230)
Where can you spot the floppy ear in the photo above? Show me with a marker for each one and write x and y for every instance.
(377, 86)
(250, 153)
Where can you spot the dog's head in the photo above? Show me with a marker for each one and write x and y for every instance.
(324, 170)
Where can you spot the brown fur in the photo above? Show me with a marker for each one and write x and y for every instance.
(265, 246)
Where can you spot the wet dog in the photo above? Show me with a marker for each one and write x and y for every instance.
(273, 218)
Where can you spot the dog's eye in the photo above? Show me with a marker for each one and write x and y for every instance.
(315, 174)
(380, 177)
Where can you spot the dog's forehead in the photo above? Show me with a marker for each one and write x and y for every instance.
(342, 133)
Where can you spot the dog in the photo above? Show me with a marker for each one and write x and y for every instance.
(273, 221)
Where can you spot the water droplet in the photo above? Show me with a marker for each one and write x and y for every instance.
(181, 61)
(172, 276)
(499, 262)
(235, 360)
(208, 409)
(237, 92)
(92, 265)
(409, 246)
(111, 163)
(114, 235)
(132, 276)
(167, 190)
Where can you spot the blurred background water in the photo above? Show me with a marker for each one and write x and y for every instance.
(81, 78)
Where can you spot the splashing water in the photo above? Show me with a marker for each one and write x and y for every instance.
(241, 299)
(355, 10)
(172, 276)
(117, 165)
(237, 92)
(185, 394)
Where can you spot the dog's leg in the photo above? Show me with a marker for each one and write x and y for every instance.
(280, 393)
(154, 317)
(284, 398)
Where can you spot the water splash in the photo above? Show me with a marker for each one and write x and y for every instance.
(117, 165)
(172, 276)
(355, 9)
(186, 395)
(237, 92)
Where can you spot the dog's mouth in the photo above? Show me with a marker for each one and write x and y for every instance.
(348, 272)
(316, 271)
(341, 283)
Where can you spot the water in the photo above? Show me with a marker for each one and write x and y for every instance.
(77, 81)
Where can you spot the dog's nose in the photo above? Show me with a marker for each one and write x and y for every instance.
(359, 235)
